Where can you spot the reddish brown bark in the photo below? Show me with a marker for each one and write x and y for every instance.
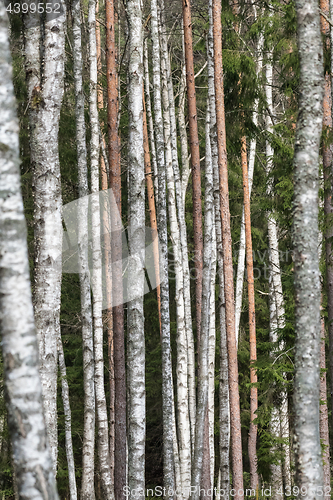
(151, 205)
(252, 444)
(107, 262)
(116, 251)
(195, 161)
(323, 418)
(235, 423)
(328, 181)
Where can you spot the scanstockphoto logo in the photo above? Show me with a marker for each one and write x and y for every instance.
(81, 235)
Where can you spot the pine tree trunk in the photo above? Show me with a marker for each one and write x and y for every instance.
(167, 385)
(45, 92)
(97, 296)
(116, 250)
(235, 425)
(87, 483)
(195, 161)
(309, 471)
(328, 189)
(252, 156)
(136, 240)
(252, 443)
(33, 463)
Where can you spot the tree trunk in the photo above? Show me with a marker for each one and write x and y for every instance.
(323, 417)
(211, 355)
(171, 160)
(150, 119)
(45, 92)
(151, 205)
(33, 464)
(280, 419)
(195, 161)
(68, 422)
(252, 443)
(107, 259)
(202, 403)
(87, 484)
(328, 190)
(309, 470)
(235, 424)
(116, 251)
(180, 202)
(167, 383)
(252, 156)
(136, 240)
(224, 417)
(97, 296)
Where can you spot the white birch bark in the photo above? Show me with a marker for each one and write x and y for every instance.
(186, 170)
(203, 386)
(45, 98)
(252, 154)
(150, 120)
(33, 463)
(97, 294)
(87, 484)
(170, 455)
(224, 417)
(280, 421)
(180, 183)
(136, 237)
(211, 359)
(68, 422)
(171, 160)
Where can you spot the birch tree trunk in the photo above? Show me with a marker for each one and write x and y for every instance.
(202, 406)
(211, 354)
(45, 92)
(150, 119)
(171, 160)
(68, 422)
(136, 339)
(87, 484)
(309, 470)
(180, 187)
(97, 298)
(186, 171)
(33, 464)
(224, 418)
(107, 258)
(236, 442)
(195, 160)
(167, 383)
(280, 420)
(323, 417)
